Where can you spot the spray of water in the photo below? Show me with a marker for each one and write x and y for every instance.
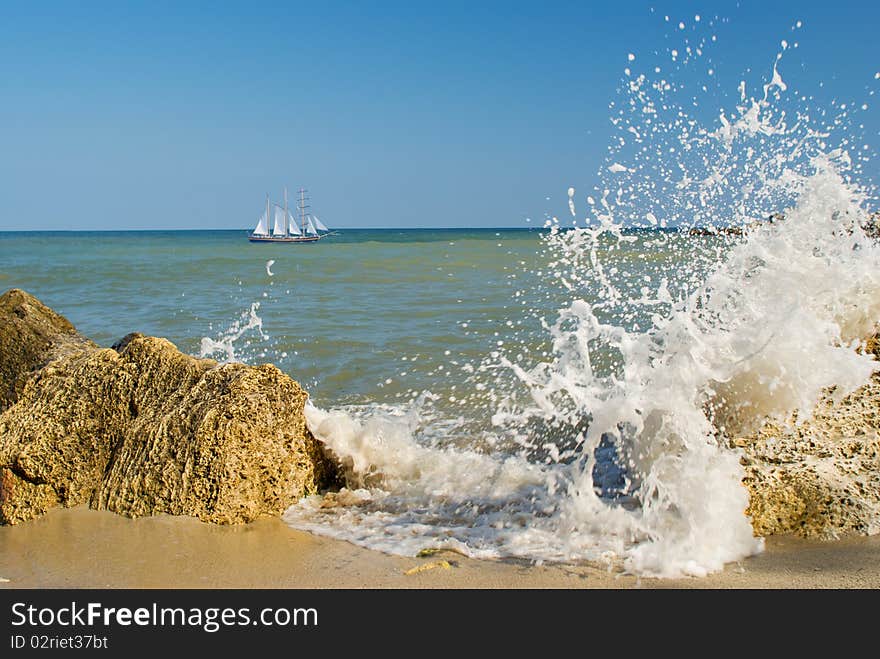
(721, 275)
(224, 345)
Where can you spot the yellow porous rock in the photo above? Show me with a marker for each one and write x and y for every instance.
(142, 428)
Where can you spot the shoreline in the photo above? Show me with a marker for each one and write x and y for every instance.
(83, 548)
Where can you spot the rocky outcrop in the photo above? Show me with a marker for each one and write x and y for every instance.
(818, 476)
(141, 428)
(31, 335)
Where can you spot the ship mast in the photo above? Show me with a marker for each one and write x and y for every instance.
(286, 227)
(268, 221)
(302, 210)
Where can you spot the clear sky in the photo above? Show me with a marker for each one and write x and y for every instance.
(415, 114)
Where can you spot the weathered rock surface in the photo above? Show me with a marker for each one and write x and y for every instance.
(819, 477)
(31, 335)
(141, 428)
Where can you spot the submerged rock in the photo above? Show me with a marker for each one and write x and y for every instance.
(142, 428)
(819, 476)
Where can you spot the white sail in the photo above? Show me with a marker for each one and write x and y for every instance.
(294, 229)
(320, 225)
(278, 229)
(262, 228)
(310, 228)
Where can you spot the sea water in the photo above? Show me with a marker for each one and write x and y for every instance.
(562, 394)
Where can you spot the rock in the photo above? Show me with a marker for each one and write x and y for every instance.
(31, 335)
(819, 477)
(715, 231)
(141, 429)
(872, 226)
(225, 443)
(21, 499)
(735, 230)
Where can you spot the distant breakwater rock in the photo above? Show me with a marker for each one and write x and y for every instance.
(818, 476)
(141, 428)
(871, 227)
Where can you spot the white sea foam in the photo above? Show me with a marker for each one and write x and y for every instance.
(614, 445)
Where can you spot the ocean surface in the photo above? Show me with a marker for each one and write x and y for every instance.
(344, 316)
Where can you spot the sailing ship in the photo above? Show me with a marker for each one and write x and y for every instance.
(285, 228)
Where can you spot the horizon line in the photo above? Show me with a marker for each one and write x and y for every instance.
(248, 230)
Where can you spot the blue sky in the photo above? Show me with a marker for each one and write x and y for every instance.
(412, 114)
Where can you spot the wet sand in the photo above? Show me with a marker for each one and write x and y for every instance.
(82, 548)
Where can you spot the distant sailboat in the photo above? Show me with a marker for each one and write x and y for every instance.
(284, 227)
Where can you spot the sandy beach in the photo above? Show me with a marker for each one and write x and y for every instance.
(83, 548)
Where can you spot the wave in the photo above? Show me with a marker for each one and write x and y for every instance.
(614, 445)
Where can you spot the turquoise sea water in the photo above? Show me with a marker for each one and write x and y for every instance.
(367, 316)
(338, 315)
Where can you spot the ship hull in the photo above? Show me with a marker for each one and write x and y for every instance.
(283, 239)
